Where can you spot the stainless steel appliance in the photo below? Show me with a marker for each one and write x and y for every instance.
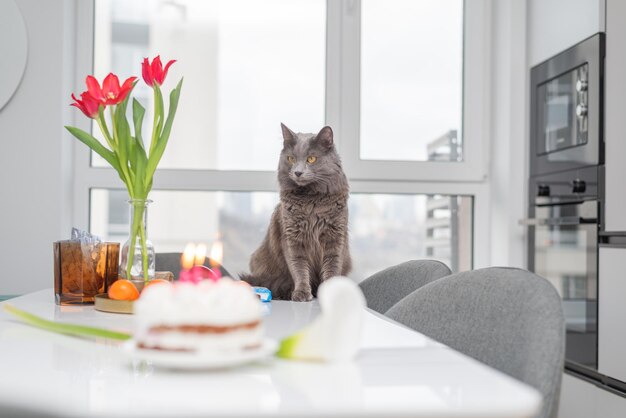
(566, 109)
(564, 221)
(566, 189)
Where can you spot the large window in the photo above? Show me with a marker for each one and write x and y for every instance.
(248, 66)
(387, 75)
(411, 80)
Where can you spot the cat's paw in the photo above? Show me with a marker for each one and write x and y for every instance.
(301, 296)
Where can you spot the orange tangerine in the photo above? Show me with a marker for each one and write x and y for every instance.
(123, 290)
(155, 282)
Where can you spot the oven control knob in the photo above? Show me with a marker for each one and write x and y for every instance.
(578, 186)
(581, 110)
(543, 190)
(581, 85)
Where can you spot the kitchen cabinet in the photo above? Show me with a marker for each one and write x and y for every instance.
(555, 25)
(581, 399)
(612, 312)
(615, 115)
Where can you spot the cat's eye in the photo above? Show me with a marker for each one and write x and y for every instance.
(291, 159)
(311, 159)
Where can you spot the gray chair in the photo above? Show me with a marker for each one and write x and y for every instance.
(509, 319)
(171, 262)
(385, 288)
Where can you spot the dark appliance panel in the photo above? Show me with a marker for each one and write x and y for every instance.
(564, 221)
(566, 109)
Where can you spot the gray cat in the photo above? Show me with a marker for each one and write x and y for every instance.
(307, 239)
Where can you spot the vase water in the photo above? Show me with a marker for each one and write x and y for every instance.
(138, 255)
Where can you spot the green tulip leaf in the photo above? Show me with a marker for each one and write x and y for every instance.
(125, 142)
(95, 145)
(138, 113)
(140, 172)
(159, 149)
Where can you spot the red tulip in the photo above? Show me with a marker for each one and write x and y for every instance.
(154, 73)
(88, 105)
(111, 93)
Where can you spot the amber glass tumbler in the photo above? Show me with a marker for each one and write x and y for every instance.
(81, 271)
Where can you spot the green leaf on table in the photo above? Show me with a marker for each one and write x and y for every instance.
(63, 328)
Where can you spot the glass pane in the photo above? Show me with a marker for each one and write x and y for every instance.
(567, 257)
(560, 98)
(386, 229)
(175, 218)
(248, 66)
(411, 80)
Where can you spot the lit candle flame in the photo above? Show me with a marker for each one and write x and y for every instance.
(189, 256)
(200, 254)
(217, 253)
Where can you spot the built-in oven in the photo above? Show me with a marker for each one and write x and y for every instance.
(566, 109)
(564, 223)
(566, 189)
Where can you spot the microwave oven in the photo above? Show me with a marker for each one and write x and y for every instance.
(566, 103)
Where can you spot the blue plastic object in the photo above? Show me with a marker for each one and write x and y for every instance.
(263, 293)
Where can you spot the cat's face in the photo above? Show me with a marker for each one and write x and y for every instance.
(308, 158)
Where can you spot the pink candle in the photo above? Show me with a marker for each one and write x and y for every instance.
(203, 272)
(193, 271)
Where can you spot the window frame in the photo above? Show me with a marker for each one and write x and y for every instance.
(467, 178)
(343, 108)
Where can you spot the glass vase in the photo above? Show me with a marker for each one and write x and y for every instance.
(137, 255)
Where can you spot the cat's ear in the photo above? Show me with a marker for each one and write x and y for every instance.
(288, 134)
(325, 137)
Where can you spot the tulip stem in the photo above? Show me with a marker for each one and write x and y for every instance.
(144, 249)
(135, 230)
(105, 131)
(157, 115)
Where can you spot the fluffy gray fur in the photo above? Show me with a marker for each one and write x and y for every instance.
(307, 239)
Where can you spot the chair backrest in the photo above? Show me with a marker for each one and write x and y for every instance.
(509, 319)
(171, 262)
(385, 288)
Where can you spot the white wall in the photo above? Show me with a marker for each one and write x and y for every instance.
(614, 111)
(508, 150)
(555, 25)
(35, 153)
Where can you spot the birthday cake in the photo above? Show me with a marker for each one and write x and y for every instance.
(210, 316)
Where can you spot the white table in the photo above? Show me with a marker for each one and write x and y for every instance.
(399, 373)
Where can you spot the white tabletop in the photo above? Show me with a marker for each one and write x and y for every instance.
(398, 373)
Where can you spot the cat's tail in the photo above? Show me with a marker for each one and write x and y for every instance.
(250, 279)
(278, 292)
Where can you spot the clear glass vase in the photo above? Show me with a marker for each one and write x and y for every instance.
(137, 255)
